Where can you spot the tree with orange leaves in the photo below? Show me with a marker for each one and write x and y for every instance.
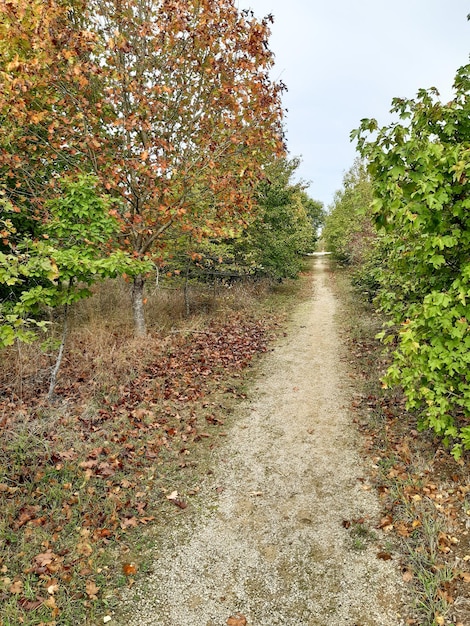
(168, 102)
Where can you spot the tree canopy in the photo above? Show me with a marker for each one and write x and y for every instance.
(420, 171)
(168, 103)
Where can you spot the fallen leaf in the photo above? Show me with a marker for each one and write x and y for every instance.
(30, 605)
(386, 523)
(45, 558)
(129, 569)
(465, 576)
(407, 576)
(50, 602)
(91, 589)
(385, 556)
(180, 503)
(129, 522)
(52, 589)
(173, 495)
(237, 620)
(16, 587)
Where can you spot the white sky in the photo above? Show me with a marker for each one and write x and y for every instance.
(343, 60)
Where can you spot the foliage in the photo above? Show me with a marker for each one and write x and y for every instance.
(284, 228)
(420, 173)
(58, 267)
(348, 229)
(169, 103)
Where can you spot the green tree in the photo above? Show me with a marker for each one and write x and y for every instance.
(285, 226)
(57, 269)
(420, 169)
(348, 229)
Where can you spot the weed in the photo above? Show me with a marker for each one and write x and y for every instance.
(83, 482)
(423, 491)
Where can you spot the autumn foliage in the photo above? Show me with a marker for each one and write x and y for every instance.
(169, 103)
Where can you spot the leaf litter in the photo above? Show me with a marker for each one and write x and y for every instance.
(270, 541)
(75, 484)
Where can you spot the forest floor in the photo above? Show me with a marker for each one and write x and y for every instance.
(186, 480)
(287, 529)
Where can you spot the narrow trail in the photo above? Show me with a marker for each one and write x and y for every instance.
(272, 545)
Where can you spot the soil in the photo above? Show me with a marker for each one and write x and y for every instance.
(285, 531)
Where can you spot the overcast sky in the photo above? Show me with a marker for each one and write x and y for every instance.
(343, 60)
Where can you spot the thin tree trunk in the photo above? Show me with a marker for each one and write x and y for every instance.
(186, 291)
(58, 362)
(140, 327)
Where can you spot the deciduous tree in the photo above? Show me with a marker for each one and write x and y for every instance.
(420, 168)
(168, 102)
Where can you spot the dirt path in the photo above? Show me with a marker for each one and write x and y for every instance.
(272, 545)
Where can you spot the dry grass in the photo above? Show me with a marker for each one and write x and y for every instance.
(83, 478)
(424, 491)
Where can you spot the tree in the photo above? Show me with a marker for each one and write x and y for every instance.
(348, 225)
(286, 225)
(420, 169)
(283, 228)
(56, 269)
(168, 102)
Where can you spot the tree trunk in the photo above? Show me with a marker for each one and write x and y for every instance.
(186, 292)
(60, 354)
(140, 327)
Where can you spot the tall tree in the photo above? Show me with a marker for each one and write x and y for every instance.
(169, 102)
(348, 227)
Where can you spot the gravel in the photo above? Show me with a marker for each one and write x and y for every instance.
(267, 539)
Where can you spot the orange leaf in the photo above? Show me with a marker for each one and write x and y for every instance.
(237, 620)
(129, 569)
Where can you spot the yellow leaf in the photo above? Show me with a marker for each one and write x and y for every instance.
(53, 273)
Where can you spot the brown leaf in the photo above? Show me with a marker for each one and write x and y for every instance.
(385, 556)
(16, 587)
(407, 576)
(129, 522)
(180, 503)
(129, 569)
(91, 589)
(237, 620)
(386, 523)
(45, 558)
(30, 605)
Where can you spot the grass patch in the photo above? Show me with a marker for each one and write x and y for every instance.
(84, 482)
(423, 490)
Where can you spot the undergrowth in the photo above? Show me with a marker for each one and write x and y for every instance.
(125, 444)
(424, 492)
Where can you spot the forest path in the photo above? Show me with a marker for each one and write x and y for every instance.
(269, 543)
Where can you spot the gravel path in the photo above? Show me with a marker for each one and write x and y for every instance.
(271, 546)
